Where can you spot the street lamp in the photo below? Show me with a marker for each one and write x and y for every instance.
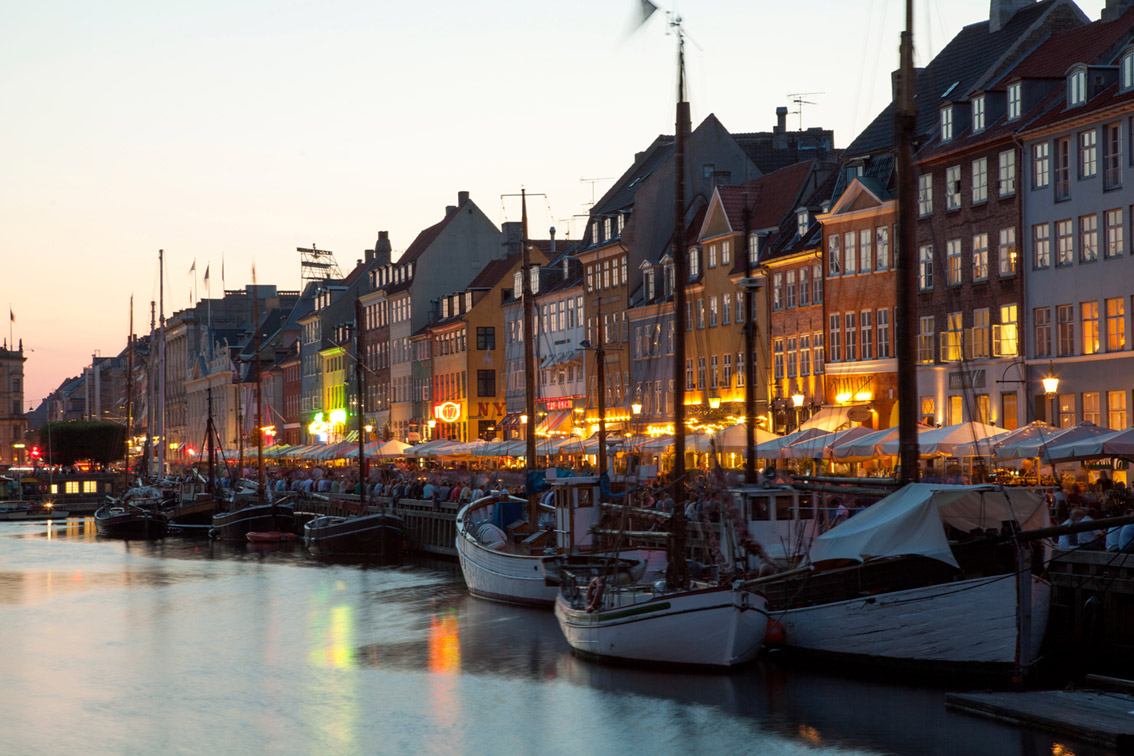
(1051, 388)
(797, 402)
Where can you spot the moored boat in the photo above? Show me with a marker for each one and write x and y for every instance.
(236, 524)
(129, 521)
(30, 510)
(368, 538)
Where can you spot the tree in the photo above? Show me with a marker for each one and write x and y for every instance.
(83, 440)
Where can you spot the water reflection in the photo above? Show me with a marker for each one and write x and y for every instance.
(160, 647)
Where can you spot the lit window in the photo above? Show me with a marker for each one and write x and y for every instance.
(953, 262)
(980, 257)
(925, 339)
(1009, 334)
(1006, 251)
(1089, 314)
(1115, 325)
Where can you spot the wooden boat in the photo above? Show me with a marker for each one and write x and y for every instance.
(889, 586)
(704, 625)
(236, 524)
(271, 536)
(30, 510)
(368, 538)
(501, 554)
(132, 522)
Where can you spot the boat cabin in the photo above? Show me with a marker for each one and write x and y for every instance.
(578, 509)
(781, 519)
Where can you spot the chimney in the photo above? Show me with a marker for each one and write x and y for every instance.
(382, 248)
(512, 231)
(551, 231)
(450, 211)
(462, 198)
(1000, 12)
(1115, 8)
(781, 120)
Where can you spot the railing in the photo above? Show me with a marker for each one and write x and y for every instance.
(430, 528)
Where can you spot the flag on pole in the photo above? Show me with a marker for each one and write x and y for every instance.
(206, 277)
(193, 267)
(11, 314)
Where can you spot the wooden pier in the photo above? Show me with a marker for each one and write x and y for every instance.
(429, 529)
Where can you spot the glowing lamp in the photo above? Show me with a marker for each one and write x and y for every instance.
(636, 408)
(863, 396)
(338, 416)
(368, 428)
(524, 419)
(797, 400)
(1050, 385)
(843, 398)
(714, 402)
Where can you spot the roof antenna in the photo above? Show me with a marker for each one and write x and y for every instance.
(797, 98)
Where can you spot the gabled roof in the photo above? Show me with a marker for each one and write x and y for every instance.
(426, 238)
(964, 65)
(621, 194)
(1092, 44)
(496, 269)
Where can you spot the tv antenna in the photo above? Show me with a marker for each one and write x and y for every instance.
(592, 182)
(316, 264)
(798, 99)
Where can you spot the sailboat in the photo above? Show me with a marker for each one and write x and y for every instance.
(255, 518)
(502, 554)
(137, 514)
(365, 537)
(714, 622)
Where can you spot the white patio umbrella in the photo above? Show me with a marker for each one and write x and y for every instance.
(868, 445)
(1115, 444)
(943, 442)
(819, 447)
(772, 449)
(734, 438)
(1043, 442)
(392, 448)
(1002, 446)
(1075, 443)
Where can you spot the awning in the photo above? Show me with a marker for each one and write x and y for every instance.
(829, 419)
(555, 422)
(511, 420)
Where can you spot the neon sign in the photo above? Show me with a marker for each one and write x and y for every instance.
(447, 412)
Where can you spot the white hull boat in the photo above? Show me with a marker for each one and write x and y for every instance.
(970, 622)
(714, 626)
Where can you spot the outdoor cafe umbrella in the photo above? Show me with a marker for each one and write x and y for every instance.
(1001, 446)
(1115, 444)
(773, 448)
(1041, 445)
(735, 438)
(943, 442)
(1076, 443)
(818, 447)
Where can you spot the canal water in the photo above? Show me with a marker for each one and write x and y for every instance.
(194, 647)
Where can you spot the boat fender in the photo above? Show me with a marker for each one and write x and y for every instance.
(594, 594)
(775, 634)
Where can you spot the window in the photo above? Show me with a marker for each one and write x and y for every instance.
(883, 321)
(701, 372)
(740, 367)
(925, 339)
(1009, 412)
(1042, 318)
(789, 290)
(865, 240)
(882, 247)
(1114, 240)
(740, 306)
(1062, 169)
(925, 267)
(816, 284)
(952, 338)
(1009, 335)
(714, 372)
(1088, 154)
(836, 342)
(1127, 82)
(486, 383)
(1066, 404)
(982, 408)
(1116, 404)
(980, 180)
(1007, 173)
(1091, 412)
(978, 114)
(1064, 243)
(71, 487)
(726, 309)
(980, 257)
(1065, 319)
(850, 260)
(1115, 325)
(1041, 245)
(1041, 167)
(817, 352)
(1077, 88)
(777, 292)
(946, 123)
(804, 288)
(1006, 252)
(956, 410)
(689, 374)
(866, 331)
(1088, 238)
(1014, 101)
(485, 337)
(928, 413)
(726, 374)
(792, 357)
(979, 341)
(713, 312)
(712, 250)
(694, 264)
(953, 262)
(953, 187)
(1089, 313)
(851, 335)
(802, 222)
(726, 252)
(925, 194)
(753, 249)
(90, 486)
(834, 256)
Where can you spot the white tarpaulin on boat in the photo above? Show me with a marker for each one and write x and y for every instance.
(912, 521)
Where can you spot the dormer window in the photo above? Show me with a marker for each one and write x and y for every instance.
(517, 284)
(1015, 101)
(1127, 71)
(978, 114)
(946, 123)
(802, 221)
(468, 301)
(1077, 88)
(694, 264)
(445, 307)
(650, 293)
(534, 280)
(598, 227)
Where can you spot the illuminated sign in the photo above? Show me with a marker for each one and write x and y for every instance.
(447, 412)
(559, 404)
(338, 416)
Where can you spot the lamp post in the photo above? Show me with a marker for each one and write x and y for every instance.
(797, 402)
(1051, 390)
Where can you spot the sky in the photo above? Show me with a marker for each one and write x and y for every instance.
(243, 129)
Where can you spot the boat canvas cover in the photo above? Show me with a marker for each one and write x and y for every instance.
(911, 521)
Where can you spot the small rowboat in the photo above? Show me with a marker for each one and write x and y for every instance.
(271, 536)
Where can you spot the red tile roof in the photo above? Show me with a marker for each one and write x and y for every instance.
(1095, 43)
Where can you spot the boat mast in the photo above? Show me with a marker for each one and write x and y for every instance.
(259, 392)
(529, 358)
(677, 575)
(129, 395)
(151, 397)
(749, 354)
(360, 387)
(905, 329)
(210, 486)
(161, 363)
